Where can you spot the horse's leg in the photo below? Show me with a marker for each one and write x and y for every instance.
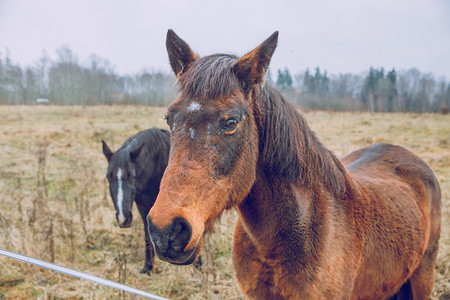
(422, 280)
(149, 252)
(404, 293)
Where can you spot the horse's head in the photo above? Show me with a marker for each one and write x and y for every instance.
(121, 176)
(214, 145)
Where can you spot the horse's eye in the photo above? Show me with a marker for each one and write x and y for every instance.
(166, 117)
(231, 124)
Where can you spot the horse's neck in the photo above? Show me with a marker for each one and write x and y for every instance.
(298, 182)
(149, 178)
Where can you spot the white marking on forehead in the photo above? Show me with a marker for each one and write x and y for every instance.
(192, 133)
(121, 217)
(194, 106)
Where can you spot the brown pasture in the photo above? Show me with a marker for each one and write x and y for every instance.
(55, 204)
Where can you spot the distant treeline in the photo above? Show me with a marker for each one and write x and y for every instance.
(65, 81)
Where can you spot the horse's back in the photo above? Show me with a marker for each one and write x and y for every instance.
(401, 197)
(394, 163)
(393, 170)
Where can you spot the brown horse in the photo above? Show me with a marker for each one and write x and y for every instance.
(310, 226)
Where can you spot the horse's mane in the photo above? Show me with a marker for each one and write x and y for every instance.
(288, 148)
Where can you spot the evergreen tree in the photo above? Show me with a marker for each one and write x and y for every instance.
(284, 79)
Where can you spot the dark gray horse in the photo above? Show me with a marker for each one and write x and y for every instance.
(134, 173)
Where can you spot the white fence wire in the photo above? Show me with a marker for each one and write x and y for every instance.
(71, 272)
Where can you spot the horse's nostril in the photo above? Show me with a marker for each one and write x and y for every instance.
(181, 234)
(176, 230)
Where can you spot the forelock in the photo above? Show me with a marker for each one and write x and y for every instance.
(210, 77)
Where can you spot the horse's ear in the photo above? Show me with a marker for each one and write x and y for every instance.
(135, 153)
(251, 68)
(107, 151)
(180, 54)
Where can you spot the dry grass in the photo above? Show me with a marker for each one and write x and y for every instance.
(55, 206)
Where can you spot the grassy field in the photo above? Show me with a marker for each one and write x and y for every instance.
(55, 203)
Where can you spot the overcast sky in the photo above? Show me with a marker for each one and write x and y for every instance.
(338, 36)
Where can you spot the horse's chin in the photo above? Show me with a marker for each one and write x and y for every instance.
(124, 225)
(189, 260)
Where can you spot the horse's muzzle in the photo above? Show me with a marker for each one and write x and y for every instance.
(170, 242)
(126, 223)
